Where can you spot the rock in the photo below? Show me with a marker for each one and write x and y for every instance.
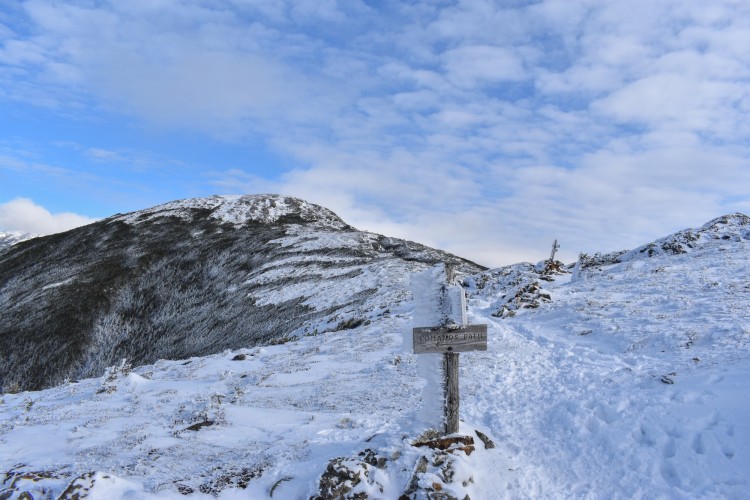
(200, 425)
(343, 474)
(79, 488)
(666, 379)
(449, 444)
(233, 478)
(419, 468)
(19, 484)
(488, 443)
(340, 477)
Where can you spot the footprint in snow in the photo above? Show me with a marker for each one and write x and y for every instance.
(670, 449)
(669, 473)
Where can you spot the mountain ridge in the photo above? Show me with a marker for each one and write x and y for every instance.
(186, 278)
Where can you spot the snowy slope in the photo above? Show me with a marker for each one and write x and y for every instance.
(10, 238)
(633, 381)
(629, 381)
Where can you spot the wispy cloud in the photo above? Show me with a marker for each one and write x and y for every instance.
(488, 129)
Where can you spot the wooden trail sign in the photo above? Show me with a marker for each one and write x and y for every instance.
(444, 339)
(450, 339)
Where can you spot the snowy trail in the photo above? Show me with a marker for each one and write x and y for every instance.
(577, 426)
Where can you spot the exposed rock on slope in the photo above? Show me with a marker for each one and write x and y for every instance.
(515, 287)
(191, 278)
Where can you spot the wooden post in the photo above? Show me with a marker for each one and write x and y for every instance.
(450, 273)
(450, 359)
(555, 248)
(450, 364)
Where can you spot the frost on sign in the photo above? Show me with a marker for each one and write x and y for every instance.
(462, 338)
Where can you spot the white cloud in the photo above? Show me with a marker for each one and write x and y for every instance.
(672, 100)
(22, 214)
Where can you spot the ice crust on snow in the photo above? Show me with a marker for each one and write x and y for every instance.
(631, 382)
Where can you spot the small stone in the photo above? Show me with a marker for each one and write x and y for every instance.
(488, 443)
(419, 468)
(199, 425)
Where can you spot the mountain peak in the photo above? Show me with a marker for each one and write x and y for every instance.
(242, 209)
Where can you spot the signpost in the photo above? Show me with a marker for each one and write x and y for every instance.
(555, 248)
(450, 339)
(453, 338)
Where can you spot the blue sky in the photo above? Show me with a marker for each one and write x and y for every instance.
(484, 128)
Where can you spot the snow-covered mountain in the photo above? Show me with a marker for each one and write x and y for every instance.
(624, 376)
(9, 238)
(189, 278)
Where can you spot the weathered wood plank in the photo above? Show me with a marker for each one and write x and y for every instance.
(451, 392)
(455, 338)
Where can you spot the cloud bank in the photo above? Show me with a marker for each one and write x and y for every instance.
(485, 128)
(25, 216)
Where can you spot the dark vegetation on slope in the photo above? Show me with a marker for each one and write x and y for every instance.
(166, 287)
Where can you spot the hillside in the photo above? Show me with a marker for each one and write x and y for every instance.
(191, 278)
(631, 380)
(624, 376)
(10, 238)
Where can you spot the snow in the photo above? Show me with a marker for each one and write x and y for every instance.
(9, 238)
(59, 283)
(240, 209)
(426, 288)
(631, 382)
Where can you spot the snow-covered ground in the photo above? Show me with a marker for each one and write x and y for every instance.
(631, 382)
